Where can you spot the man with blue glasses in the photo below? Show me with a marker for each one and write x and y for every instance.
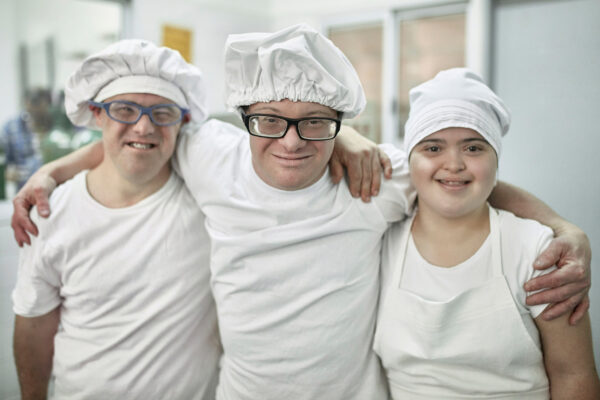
(113, 296)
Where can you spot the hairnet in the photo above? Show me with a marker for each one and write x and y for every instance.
(296, 63)
(134, 66)
(456, 98)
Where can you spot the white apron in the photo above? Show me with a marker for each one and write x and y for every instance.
(472, 346)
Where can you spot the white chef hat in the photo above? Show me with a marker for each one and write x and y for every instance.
(296, 63)
(456, 98)
(134, 66)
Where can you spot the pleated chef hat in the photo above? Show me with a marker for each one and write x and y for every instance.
(456, 98)
(134, 66)
(296, 63)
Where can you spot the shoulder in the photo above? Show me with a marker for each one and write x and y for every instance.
(397, 195)
(63, 203)
(523, 231)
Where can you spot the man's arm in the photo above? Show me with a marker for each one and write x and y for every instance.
(39, 186)
(570, 251)
(34, 350)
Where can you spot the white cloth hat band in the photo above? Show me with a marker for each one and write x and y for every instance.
(452, 113)
(143, 84)
(456, 98)
(134, 66)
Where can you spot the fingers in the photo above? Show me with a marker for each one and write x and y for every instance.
(386, 163)
(572, 273)
(355, 172)
(21, 224)
(367, 177)
(336, 169)
(572, 292)
(550, 256)
(580, 311)
(41, 201)
(376, 168)
(561, 308)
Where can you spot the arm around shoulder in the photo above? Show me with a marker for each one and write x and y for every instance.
(570, 251)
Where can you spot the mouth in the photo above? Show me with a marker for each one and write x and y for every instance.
(453, 183)
(291, 159)
(141, 146)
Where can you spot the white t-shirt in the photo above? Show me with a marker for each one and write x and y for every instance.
(295, 274)
(137, 319)
(522, 241)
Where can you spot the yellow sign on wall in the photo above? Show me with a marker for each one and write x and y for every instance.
(179, 39)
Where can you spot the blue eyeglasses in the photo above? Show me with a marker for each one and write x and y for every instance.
(127, 112)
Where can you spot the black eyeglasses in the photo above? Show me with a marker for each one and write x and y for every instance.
(127, 112)
(275, 127)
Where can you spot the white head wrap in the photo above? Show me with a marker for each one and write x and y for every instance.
(456, 98)
(297, 63)
(134, 66)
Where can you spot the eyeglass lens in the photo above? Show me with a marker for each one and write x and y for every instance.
(128, 113)
(316, 128)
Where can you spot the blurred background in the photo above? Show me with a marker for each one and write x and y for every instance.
(541, 56)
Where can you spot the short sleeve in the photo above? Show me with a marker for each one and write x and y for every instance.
(543, 242)
(397, 195)
(37, 290)
(208, 154)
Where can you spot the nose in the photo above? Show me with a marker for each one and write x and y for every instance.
(144, 126)
(292, 141)
(454, 161)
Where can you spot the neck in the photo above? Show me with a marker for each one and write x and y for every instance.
(445, 241)
(113, 190)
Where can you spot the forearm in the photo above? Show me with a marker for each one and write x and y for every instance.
(569, 386)
(523, 204)
(33, 351)
(569, 358)
(68, 166)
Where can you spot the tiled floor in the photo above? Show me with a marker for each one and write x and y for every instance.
(9, 253)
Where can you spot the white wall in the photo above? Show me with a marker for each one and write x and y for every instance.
(547, 69)
(8, 67)
(77, 27)
(210, 23)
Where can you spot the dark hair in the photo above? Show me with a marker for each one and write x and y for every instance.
(38, 95)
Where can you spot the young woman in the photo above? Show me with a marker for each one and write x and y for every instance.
(453, 322)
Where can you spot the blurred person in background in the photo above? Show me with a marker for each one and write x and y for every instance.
(23, 135)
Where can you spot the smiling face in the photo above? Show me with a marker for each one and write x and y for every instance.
(140, 152)
(290, 163)
(453, 171)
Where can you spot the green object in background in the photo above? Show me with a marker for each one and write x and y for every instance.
(83, 137)
(55, 144)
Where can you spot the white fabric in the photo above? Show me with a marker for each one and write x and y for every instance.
(295, 274)
(137, 317)
(134, 57)
(149, 84)
(474, 343)
(456, 98)
(296, 63)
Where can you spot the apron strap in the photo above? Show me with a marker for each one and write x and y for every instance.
(496, 242)
(404, 237)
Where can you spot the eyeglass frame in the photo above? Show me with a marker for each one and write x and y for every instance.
(291, 122)
(143, 111)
